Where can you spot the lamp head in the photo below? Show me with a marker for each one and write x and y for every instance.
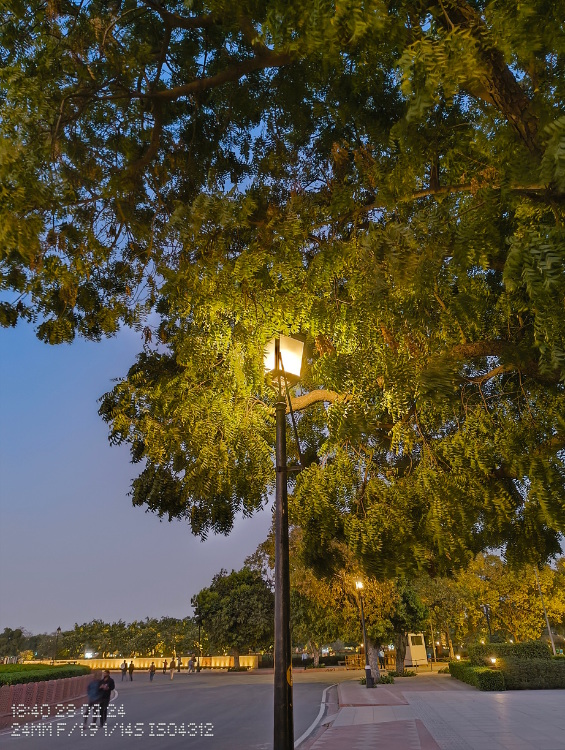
(287, 349)
(358, 585)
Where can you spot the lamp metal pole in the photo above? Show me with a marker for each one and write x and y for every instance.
(283, 715)
(368, 675)
(56, 645)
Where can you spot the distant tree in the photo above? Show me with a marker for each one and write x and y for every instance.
(408, 616)
(11, 641)
(237, 612)
(446, 606)
(512, 596)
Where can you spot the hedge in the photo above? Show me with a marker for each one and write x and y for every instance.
(23, 667)
(533, 674)
(480, 677)
(40, 675)
(481, 652)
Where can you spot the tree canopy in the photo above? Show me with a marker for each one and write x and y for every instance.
(237, 612)
(384, 178)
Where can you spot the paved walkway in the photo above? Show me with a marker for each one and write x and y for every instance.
(435, 712)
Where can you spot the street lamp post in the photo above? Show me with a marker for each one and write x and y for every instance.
(283, 359)
(56, 645)
(368, 676)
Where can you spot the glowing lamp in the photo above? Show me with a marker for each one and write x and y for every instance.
(88, 654)
(358, 585)
(493, 659)
(458, 657)
(288, 350)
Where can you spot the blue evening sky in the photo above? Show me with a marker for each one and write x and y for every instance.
(73, 548)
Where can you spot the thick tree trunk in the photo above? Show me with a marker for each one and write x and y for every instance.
(449, 642)
(235, 659)
(316, 652)
(400, 644)
(373, 650)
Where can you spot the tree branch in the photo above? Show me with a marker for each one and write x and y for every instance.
(303, 402)
(174, 20)
(498, 86)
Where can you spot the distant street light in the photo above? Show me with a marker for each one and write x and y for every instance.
(283, 360)
(56, 645)
(368, 676)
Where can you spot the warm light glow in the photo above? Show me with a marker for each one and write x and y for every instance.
(483, 643)
(358, 585)
(493, 659)
(458, 657)
(291, 353)
(511, 641)
(437, 643)
(88, 654)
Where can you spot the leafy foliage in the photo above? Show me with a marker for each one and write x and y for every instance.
(480, 677)
(528, 650)
(386, 179)
(237, 612)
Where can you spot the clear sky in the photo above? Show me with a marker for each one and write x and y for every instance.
(72, 547)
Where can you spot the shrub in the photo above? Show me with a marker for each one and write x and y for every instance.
(489, 679)
(533, 674)
(445, 670)
(386, 679)
(11, 677)
(480, 677)
(406, 673)
(238, 669)
(481, 652)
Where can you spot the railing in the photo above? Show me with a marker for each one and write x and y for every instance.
(41, 698)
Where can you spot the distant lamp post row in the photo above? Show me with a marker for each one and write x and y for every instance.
(283, 362)
(368, 676)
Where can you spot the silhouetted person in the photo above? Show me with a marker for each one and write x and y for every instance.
(179, 664)
(106, 687)
(165, 666)
(124, 668)
(152, 671)
(93, 694)
(130, 670)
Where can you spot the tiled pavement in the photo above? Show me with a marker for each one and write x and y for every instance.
(435, 712)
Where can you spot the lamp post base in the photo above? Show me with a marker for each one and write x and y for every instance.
(369, 682)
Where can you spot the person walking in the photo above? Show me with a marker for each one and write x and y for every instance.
(381, 657)
(165, 666)
(172, 667)
(179, 664)
(124, 668)
(130, 670)
(93, 695)
(191, 664)
(106, 687)
(152, 671)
